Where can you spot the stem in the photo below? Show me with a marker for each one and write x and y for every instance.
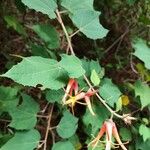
(48, 127)
(85, 78)
(65, 31)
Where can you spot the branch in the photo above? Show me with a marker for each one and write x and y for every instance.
(48, 128)
(85, 78)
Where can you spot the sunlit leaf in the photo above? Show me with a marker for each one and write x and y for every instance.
(142, 90)
(45, 6)
(142, 51)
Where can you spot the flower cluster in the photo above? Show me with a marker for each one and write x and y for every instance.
(73, 95)
(110, 129)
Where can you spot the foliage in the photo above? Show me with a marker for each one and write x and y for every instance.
(83, 70)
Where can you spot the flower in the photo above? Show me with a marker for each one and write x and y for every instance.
(110, 129)
(77, 96)
(128, 118)
(71, 87)
(82, 95)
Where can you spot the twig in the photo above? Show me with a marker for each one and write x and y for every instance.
(65, 31)
(86, 79)
(48, 127)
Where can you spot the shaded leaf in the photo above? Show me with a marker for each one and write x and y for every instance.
(27, 140)
(125, 134)
(25, 115)
(48, 34)
(67, 125)
(8, 98)
(96, 121)
(15, 24)
(47, 7)
(54, 95)
(142, 90)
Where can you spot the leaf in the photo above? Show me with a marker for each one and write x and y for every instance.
(72, 65)
(54, 95)
(27, 140)
(109, 92)
(8, 98)
(47, 7)
(87, 22)
(63, 145)
(75, 5)
(95, 121)
(15, 24)
(48, 34)
(142, 90)
(125, 134)
(95, 78)
(144, 132)
(37, 70)
(67, 125)
(85, 18)
(38, 50)
(142, 51)
(140, 145)
(25, 115)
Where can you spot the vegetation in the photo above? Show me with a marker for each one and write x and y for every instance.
(75, 74)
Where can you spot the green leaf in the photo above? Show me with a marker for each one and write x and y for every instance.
(95, 121)
(109, 91)
(38, 50)
(67, 125)
(85, 18)
(48, 34)
(27, 140)
(72, 65)
(144, 132)
(15, 24)
(54, 95)
(75, 5)
(142, 90)
(87, 21)
(125, 134)
(47, 7)
(140, 145)
(63, 145)
(94, 65)
(25, 115)
(8, 98)
(95, 78)
(37, 70)
(142, 51)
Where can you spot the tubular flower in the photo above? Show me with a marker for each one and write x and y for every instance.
(71, 87)
(110, 129)
(79, 96)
